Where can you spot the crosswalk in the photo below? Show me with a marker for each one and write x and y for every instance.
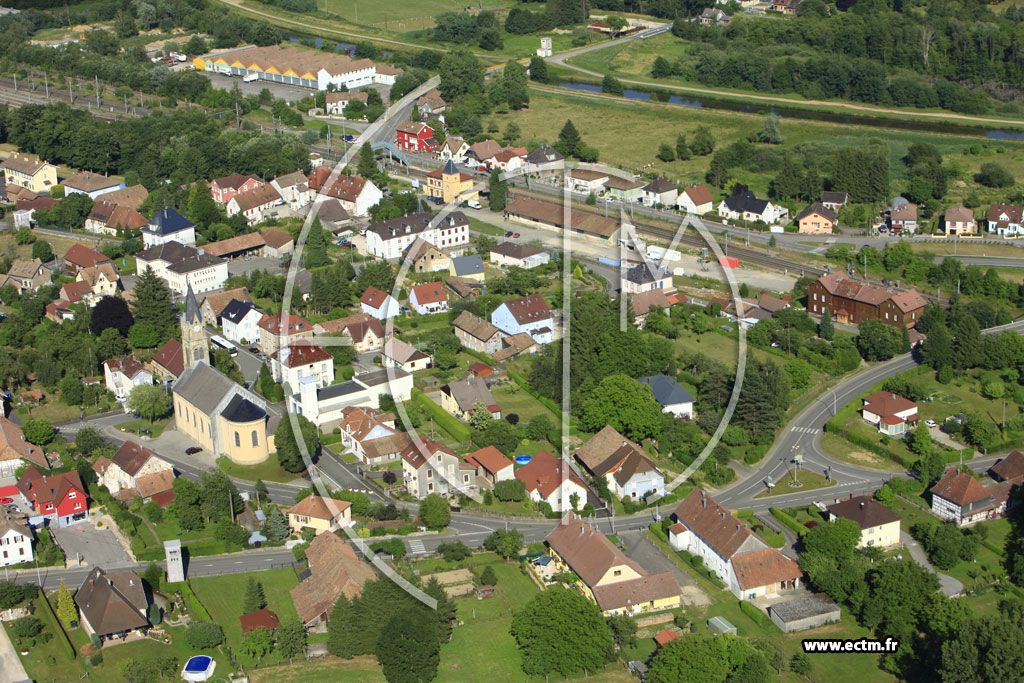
(806, 430)
(416, 547)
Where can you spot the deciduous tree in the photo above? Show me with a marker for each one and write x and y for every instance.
(560, 631)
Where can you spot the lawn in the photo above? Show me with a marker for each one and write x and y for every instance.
(844, 451)
(268, 470)
(599, 120)
(362, 669)
(49, 661)
(810, 481)
(512, 398)
(223, 597)
(156, 427)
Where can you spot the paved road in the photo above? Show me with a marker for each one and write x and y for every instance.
(11, 668)
(948, 585)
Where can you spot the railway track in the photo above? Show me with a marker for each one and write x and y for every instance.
(20, 98)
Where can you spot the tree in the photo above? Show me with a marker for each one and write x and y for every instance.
(291, 639)
(88, 440)
(937, 348)
(367, 167)
(878, 341)
(202, 635)
(111, 312)
(919, 441)
(560, 631)
(682, 147)
(826, 330)
(155, 615)
(666, 153)
(623, 630)
(538, 68)
(26, 627)
(771, 130)
(801, 663)
(152, 305)
(143, 336)
(505, 543)
(66, 610)
(488, 577)
(149, 401)
(498, 433)
(662, 68)
(834, 540)
(153, 575)
(703, 142)
(408, 649)
(42, 251)
(276, 527)
(289, 454)
(454, 551)
(538, 427)
(569, 139)
(314, 252)
(513, 490)
(435, 512)
(498, 191)
(255, 598)
(992, 174)
(612, 86)
(37, 431)
(461, 74)
(258, 643)
(625, 404)
(718, 172)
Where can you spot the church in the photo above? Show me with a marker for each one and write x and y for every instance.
(211, 409)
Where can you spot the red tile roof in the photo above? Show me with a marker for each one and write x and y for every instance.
(959, 488)
(712, 523)
(1011, 468)
(429, 293)
(665, 636)
(545, 473)
(319, 507)
(344, 187)
(130, 457)
(296, 324)
(528, 309)
(233, 181)
(887, 404)
(764, 567)
(865, 511)
(261, 619)
(171, 357)
(84, 257)
(490, 459)
(300, 354)
(373, 297)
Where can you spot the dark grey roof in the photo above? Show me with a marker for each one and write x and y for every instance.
(415, 223)
(191, 306)
(746, 201)
(802, 608)
(203, 386)
(666, 390)
(241, 409)
(543, 155)
(172, 252)
(113, 602)
(643, 273)
(659, 185)
(819, 209)
(834, 197)
(375, 377)
(449, 168)
(338, 390)
(168, 221)
(197, 262)
(236, 310)
(468, 265)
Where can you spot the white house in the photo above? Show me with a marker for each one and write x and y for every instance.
(90, 184)
(255, 205)
(356, 194)
(379, 304)
(327, 405)
(747, 207)
(454, 148)
(585, 181)
(891, 413)
(398, 354)
(747, 566)
(371, 435)
(659, 191)
(549, 481)
(166, 226)
(428, 298)
(696, 199)
(960, 498)
(240, 321)
(180, 265)
(15, 539)
(293, 188)
(389, 239)
(492, 464)
(645, 277)
(626, 469)
(290, 364)
(121, 375)
(674, 399)
(512, 254)
(135, 472)
(430, 467)
(528, 314)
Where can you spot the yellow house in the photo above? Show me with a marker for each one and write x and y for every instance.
(29, 172)
(448, 184)
(616, 583)
(816, 219)
(223, 417)
(879, 526)
(320, 514)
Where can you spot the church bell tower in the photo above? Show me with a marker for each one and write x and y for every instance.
(194, 345)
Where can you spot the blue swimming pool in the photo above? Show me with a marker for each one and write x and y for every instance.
(198, 664)
(523, 459)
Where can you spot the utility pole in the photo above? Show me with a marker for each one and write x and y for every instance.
(238, 123)
(97, 80)
(71, 94)
(231, 505)
(126, 104)
(46, 85)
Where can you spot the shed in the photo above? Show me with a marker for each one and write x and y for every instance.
(719, 625)
(801, 614)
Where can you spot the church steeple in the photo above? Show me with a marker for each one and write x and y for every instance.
(194, 345)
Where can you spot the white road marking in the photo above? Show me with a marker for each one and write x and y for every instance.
(416, 547)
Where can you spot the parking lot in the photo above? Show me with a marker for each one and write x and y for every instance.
(97, 547)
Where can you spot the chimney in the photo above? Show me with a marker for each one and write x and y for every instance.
(581, 530)
(703, 500)
(739, 527)
(862, 505)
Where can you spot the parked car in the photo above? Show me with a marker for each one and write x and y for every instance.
(508, 233)
(5, 500)
(515, 236)
(931, 423)
(192, 450)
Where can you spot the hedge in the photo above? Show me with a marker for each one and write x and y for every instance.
(446, 421)
(544, 401)
(999, 552)
(775, 540)
(788, 521)
(756, 615)
(62, 635)
(480, 356)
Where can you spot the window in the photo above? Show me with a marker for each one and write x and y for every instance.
(255, 439)
(72, 494)
(430, 474)
(238, 441)
(617, 572)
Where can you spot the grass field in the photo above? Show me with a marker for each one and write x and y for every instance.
(842, 450)
(399, 17)
(223, 597)
(270, 470)
(600, 122)
(810, 481)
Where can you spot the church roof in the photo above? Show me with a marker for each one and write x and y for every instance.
(191, 306)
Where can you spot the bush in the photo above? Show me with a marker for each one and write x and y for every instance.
(756, 615)
(788, 521)
(202, 635)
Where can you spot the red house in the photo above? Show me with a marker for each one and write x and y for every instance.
(223, 189)
(58, 497)
(414, 136)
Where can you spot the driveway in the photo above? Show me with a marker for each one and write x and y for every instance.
(948, 584)
(97, 547)
(640, 549)
(10, 664)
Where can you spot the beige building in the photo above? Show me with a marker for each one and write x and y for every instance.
(879, 526)
(431, 467)
(223, 417)
(136, 472)
(27, 275)
(29, 172)
(320, 514)
(449, 184)
(275, 332)
(458, 398)
(477, 334)
(102, 280)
